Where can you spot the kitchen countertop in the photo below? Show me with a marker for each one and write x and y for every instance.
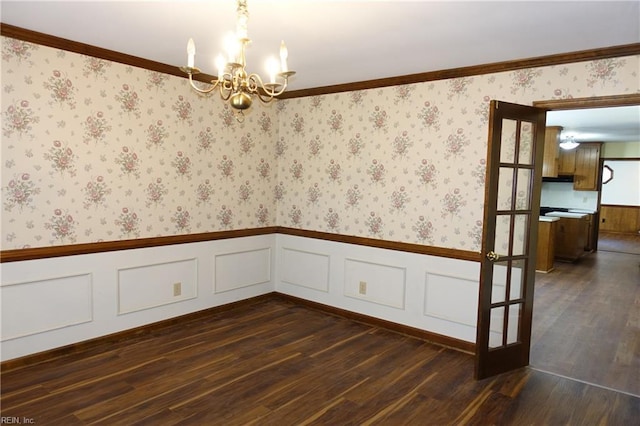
(549, 209)
(567, 215)
(548, 219)
(586, 211)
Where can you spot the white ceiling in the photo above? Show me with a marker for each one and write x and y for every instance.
(620, 124)
(335, 42)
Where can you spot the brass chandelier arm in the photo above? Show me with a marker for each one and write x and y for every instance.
(225, 92)
(264, 99)
(190, 72)
(271, 89)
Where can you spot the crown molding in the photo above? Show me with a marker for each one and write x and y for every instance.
(541, 61)
(110, 55)
(43, 39)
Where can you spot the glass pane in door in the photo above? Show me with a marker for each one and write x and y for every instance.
(519, 237)
(505, 188)
(503, 236)
(499, 289)
(496, 326)
(513, 331)
(508, 144)
(516, 282)
(526, 143)
(523, 189)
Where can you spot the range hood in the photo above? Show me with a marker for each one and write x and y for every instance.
(565, 178)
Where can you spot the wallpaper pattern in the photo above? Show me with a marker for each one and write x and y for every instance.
(96, 151)
(407, 163)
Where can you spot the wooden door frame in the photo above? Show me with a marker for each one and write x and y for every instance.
(593, 102)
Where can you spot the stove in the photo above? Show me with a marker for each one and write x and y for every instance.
(545, 210)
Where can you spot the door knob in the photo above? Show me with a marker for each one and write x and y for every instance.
(493, 256)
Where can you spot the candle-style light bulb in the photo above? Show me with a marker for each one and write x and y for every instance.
(284, 53)
(231, 45)
(272, 69)
(191, 53)
(220, 64)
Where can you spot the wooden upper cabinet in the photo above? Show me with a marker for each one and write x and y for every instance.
(567, 162)
(551, 143)
(587, 163)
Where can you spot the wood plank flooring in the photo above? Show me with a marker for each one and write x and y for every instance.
(618, 242)
(277, 363)
(586, 320)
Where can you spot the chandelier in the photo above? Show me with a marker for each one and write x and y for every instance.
(233, 82)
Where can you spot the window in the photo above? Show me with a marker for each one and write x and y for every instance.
(607, 174)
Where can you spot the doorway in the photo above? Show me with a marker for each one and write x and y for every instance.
(583, 311)
(620, 198)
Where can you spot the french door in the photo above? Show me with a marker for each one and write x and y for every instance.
(512, 204)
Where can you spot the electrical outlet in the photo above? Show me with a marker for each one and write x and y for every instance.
(362, 289)
(177, 289)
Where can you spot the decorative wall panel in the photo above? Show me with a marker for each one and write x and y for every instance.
(451, 298)
(242, 269)
(305, 269)
(150, 286)
(375, 282)
(45, 305)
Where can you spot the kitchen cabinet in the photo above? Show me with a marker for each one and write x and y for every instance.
(551, 147)
(582, 163)
(590, 240)
(566, 162)
(571, 238)
(585, 177)
(545, 252)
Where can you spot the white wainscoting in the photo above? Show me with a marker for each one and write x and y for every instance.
(151, 286)
(54, 302)
(109, 292)
(382, 284)
(432, 293)
(448, 297)
(242, 269)
(305, 269)
(39, 306)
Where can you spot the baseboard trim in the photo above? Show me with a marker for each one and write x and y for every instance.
(98, 344)
(439, 339)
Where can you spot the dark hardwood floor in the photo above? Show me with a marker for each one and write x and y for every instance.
(586, 322)
(277, 363)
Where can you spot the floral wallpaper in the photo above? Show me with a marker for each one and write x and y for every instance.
(407, 163)
(94, 150)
